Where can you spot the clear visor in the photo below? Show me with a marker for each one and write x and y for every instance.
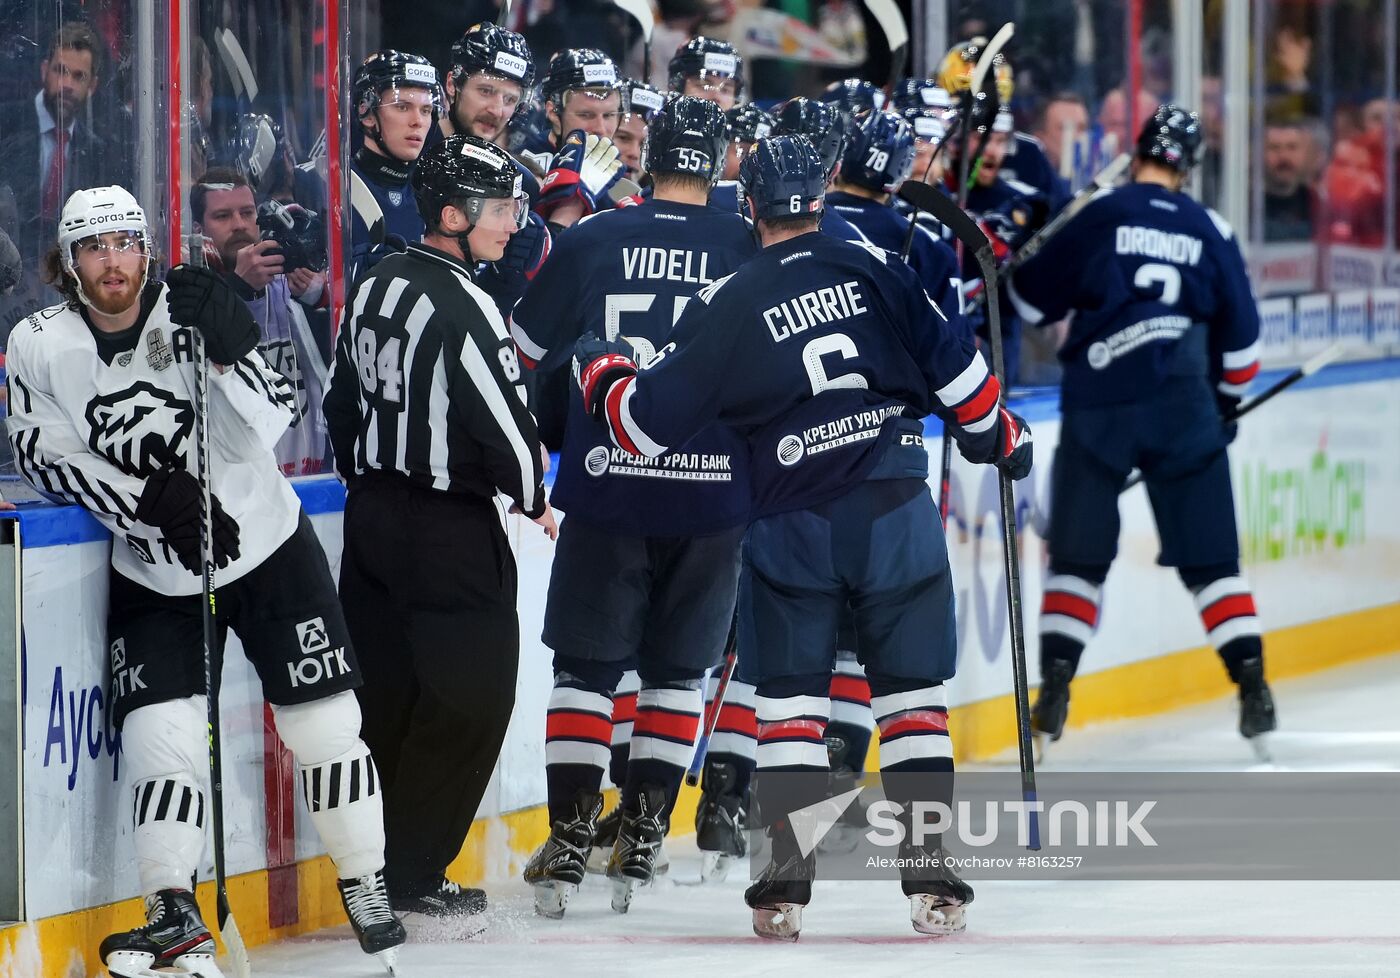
(411, 99)
(713, 81)
(109, 246)
(497, 213)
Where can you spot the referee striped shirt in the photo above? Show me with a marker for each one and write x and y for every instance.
(426, 383)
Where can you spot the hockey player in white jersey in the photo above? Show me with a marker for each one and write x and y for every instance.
(101, 392)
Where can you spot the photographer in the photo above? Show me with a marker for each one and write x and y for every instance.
(267, 254)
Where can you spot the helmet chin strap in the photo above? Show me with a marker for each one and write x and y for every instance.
(83, 296)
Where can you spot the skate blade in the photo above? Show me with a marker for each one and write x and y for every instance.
(598, 857)
(552, 898)
(137, 964)
(781, 922)
(1262, 745)
(389, 958)
(1040, 744)
(931, 916)
(714, 866)
(623, 888)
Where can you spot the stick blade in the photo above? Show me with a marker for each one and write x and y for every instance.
(233, 940)
(989, 54)
(1320, 360)
(931, 200)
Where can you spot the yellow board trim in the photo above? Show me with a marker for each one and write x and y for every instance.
(65, 946)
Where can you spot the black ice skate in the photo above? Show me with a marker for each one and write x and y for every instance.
(174, 937)
(719, 821)
(557, 867)
(1051, 707)
(639, 837)
(782, 889)
(379, 932)
(441, 898)
(938, 899)
(603, 841)
(1256, 705)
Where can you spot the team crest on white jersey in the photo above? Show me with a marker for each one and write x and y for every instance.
(158, 353)
(140, 429)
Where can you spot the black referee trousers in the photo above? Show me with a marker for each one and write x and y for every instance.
(428, 583)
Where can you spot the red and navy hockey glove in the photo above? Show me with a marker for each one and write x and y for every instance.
(598, 365)
(1009, 226)
(526, 253)
(1012, 450)
(584, 169)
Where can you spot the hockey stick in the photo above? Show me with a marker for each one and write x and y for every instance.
(1103, 180)
(236, 63)
(640, 11)
(891, 20)
(1309, 367)
(228, 927)
(504, 14)
(965, 229)
(702, 747)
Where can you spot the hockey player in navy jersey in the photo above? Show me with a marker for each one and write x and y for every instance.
(822, 124)
(101, 393)
(928, 109)
(647, 562)
(640, 103)
(582, 97)
(827, 355)
(397, 101)
(878, 156)
(491, 71)
(708, 68)
(1163, 342)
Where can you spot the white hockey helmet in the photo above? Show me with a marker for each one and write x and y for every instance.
(95, 211)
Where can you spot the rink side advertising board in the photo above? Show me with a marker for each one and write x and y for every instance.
(1316, 473)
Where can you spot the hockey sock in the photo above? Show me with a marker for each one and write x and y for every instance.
(624, 714)
(663, 739)
(577, 740)
(735, 739)
(1069, 613)
(913, 719)
(166, 756)
(792, 716)
(338, 779)
(852, 723)
(1226, 607)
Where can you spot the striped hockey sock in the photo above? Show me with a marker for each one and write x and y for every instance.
(1069, 613)
(914, 730)
(663, 740)
(167, 818)
(1226, 607)
(577, 740)
(852, 723)
(624, 714)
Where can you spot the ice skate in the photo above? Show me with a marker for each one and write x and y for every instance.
(603, 841)
(938, 899)
(639, 837)
(558, 866)
(1257, 717)
(174, 939)
(1051, 707)
(719, 822)
(379, 932)
(782, 890)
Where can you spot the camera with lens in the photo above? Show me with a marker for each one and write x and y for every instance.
(299, 233)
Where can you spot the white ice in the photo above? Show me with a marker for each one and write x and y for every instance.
(1343, 719)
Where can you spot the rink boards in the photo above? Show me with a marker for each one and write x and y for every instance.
(1317, 474)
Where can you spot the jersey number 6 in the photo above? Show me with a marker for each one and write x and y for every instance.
(812, 355)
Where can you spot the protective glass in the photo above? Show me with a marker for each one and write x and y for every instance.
(497, 213)
(109, 246)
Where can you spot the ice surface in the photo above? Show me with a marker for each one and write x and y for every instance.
(1344, 719)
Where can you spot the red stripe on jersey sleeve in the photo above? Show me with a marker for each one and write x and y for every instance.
(981, 403)
(613, 406)
(1241, 376)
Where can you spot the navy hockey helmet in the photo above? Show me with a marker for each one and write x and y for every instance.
(528, 131)
(926, 106)
(879, 151)
(390, 69)
(748, 123)
(820, 122)
(639, 98)
(784, 176)
(494, 50)
(708, 59)
(852, 95)
(1171, 137)
(466, 172)
(689, 136)
(577, 68)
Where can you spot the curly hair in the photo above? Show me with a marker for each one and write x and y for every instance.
(56, 275)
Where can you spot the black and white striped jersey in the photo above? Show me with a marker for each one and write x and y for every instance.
(89, 426)
(426, 383)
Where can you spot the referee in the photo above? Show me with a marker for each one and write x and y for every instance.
(428, 421)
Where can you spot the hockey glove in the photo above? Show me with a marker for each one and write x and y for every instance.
(1012, 451)
(199, 298)
(524, 256)
(1227, 405)
(170, 503)
(585, 169)
(598, 365)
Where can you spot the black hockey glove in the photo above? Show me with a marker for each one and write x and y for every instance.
(524, 256)
(170, 503)
(201, 299)
(1227, 405)
(598, 365)
(1013, 449)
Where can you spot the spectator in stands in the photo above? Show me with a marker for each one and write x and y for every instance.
(1115, 118)
(1290, 204)
(1355, 195)
(225, 211)
(50, 144)
(1063, 119)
